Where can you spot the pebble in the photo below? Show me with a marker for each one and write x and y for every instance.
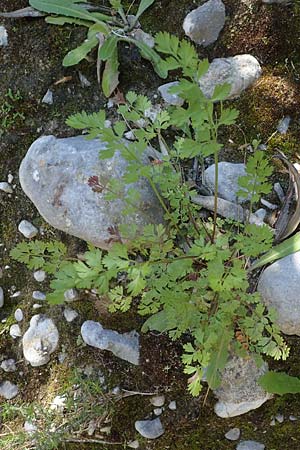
(8, 365)
(129, 135)
(172, 405)
(39, 275)
(15, 331)
(3, 37)
(71, 295)
(27, 229)
(15, 294)
(158, 400)
(36, 306)
(83, 80)
(58, 403)
(70, 314)
(29, 427)
(250, 445)
(5, 187)
(150, 429)
(19, 315)
(171, 99)
(279, 418)
(233, 434)
(1, 297)
(38, 295)
(268, 204)
(133, 444)
(279, 191)
(48, 97)
(273, 423)
(158, 411)
(283, 125)
(292, 418)
(10, 178)
(8, 390)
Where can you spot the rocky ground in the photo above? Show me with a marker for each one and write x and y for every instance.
(110, 416)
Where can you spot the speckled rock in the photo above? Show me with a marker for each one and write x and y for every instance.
(124, 346)
(40, 340)
(228, 176)
(240, 71)
(55, 173)
(279, 288)
(204, 24)
(239, 391)
(250, 445)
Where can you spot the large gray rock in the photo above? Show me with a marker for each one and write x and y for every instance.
(150, 429)
(203, 25)
(239, 391)
(279, 288)
(239, 71)
(124, 346)
(55, 173)
(228, 176)
(40, 340)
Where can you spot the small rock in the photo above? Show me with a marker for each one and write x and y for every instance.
(279, 191)
(38, 295)
(279, 418)
(3, 37)
(19, 315)
(1, 297)
(71, 295)
(158, 411)
(158, 400)
(92, 427)
(29, 427)
(133, 444)
(27, 229)
(204, 24)
(10, 178)
(233, 434)
(40, 340)
(39, 275)
(293, 418)
(8, 365)
(83, 80)
(239, 391)
(5, 187)
(250, 445)
(62, 357)
(172, 405)
(48, 97)
(8, 390)
(279, 288)
(15, 331)
(146, 38)
(283, 125)
(225, 208)
(171, 99)
(36, 306)
(150, 429)
(124, 346)
(70, 314)
(58, 403)
(15, 294)
(260, 214)
(240, 71)
(130, 136)
(273, 423)
(228, 186)
(268, 204)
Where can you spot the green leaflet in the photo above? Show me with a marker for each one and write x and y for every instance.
(144, 4)
(79, 53)
(61, 20)
(157, 322)
(110, 77)
(152, 56)
(279, 383)
(285, 248)
(109, 47)
(64, 8)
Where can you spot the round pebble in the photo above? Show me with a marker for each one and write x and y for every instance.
(172, 405)
(71, 295)
(1, 297)
(38, 295)
(70, 314)
(27, 229)
(233, 434)
(15, 331)
(19, 315)
(39, 275)
(5, 187)
(158, 400)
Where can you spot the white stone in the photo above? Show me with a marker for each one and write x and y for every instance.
(133, 444)
(3, 36)
(38, 295)
(5, 187)
(173, 405)
(250, 445)
(150, 429)
(1, 297)
(39, 275)
(240, 71)
(204, 24)
(70, 314)
(283, 125)
(27, 229)
(8, 365)
(233, 434)
(158, 400)
(228, 175)
(279, 288)
(71, 295)
(8, 390)
(40, 340)
(48, 97)
(171, 99)
(15, 331)
(30, 427)
(19, 315)
(158, 411)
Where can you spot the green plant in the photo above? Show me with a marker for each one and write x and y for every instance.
(105, 31)
(8, 112)
(83, 402)
(189, 275)
(279, 383)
